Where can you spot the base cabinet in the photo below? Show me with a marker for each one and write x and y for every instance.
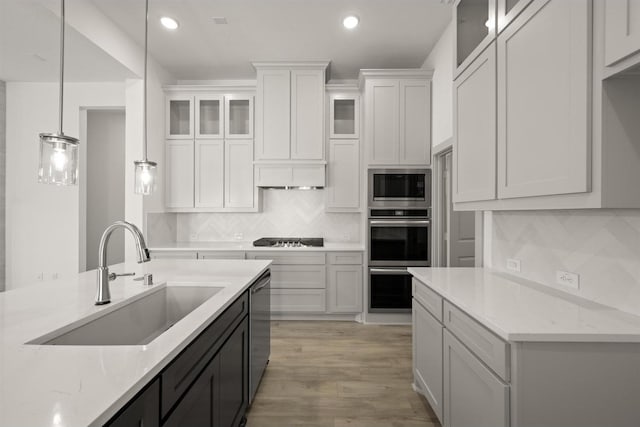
(427, 356)
(475, 396)
(206, 385)
(142, 411)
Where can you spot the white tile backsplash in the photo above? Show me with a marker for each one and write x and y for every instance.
(285, 213)
(602, 246)
(161, 228)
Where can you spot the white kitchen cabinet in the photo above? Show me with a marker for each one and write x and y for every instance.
(209, 173)
(307, 114)
(508, 10)
(475, 396)
(415, 122)
(290, 111)
(239, 188)
(343, 181)
(544, 129)
(475, 29)
(179, 173)
(397, 116)
(345, 289)
(238, 116)
(209, 116)
(179, 117)
(427, 356)
(174, 255)
(293, 175)
(221, 255)
(622, 29)
(474, 130)
(344, 116)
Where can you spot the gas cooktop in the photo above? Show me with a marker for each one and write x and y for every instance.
(290, 242)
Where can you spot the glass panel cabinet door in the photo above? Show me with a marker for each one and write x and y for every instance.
(209, 116)
(475, 28)
(239, 116)
(344, 116)
(179, 120)
(508, 10)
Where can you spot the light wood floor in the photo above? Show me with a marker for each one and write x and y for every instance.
(338, 374)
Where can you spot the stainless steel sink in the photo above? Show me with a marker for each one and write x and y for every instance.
(136, 323)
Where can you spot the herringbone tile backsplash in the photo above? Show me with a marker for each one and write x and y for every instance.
(285, 213)
(603, 246)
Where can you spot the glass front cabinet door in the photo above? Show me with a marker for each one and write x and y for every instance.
(209, 116)
(239, 116)
(179, 117)
(475, 29)
(344, 112)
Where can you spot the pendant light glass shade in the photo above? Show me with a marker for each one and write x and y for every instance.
(145, 177)
(58, 159)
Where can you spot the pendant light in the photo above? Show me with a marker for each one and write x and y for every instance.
(145, 170)
(59, 152)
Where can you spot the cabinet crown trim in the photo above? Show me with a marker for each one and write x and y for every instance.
(214, 89)
(400, 73)
(290, 65)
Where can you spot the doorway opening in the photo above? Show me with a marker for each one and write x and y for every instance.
(104, 192)
(455, 231)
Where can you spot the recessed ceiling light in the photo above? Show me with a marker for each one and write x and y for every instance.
(350, 22)
(169, 23)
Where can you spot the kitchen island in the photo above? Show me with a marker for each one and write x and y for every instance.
(72, 385)
(492, 349)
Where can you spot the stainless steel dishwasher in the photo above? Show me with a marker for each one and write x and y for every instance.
(259, 330)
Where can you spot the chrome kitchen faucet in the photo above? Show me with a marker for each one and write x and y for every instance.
(103, 295)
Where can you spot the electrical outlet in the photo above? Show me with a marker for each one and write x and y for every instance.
(238, 236)
(568, 279)
(513, 265)
(193, 236)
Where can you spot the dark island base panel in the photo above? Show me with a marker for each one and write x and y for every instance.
(189, 391)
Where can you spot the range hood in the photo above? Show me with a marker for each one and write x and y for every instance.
(290, 176)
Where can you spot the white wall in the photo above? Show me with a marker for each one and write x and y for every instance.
(105, 146)
(43, 220)
(440, 60)
(3, 99)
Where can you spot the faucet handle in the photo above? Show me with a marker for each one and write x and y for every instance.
(112, 276)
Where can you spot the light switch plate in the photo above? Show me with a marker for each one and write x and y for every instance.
(568, 279)
(513, 265)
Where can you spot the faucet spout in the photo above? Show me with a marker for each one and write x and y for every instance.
(103, 295)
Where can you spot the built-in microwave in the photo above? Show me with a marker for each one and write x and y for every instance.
(400, 188)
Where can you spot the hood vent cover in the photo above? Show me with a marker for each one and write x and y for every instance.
(291, 176)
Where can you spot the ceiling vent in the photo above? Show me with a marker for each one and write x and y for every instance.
(220, 20)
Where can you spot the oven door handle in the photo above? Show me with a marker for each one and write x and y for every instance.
(389, 271)
(401, 222)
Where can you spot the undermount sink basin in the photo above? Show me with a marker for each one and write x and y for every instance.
(135, 323)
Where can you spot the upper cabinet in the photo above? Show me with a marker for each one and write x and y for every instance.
(212, 169)
(475, 29)
(622, 30)
(290, 111)
(344, 116)
(537, 123)
(397, 116)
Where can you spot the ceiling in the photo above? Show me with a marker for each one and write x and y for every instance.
(392, 33)
(29, 48)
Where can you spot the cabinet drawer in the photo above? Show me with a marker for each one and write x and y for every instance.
(428, 298)
(493, 351)
(184, 369)
(345, 258)
(221, 255)
(173, 255)
(288, 258)
(298, 277)
(298, 300)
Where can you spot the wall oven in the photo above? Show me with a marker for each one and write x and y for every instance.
(400, 188)
(397, 239)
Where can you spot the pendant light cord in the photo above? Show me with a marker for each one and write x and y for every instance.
(146, 37)
(61, 66)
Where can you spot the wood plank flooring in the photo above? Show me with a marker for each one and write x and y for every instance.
(339, 374)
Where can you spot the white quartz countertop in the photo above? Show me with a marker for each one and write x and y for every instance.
(518, 310)
(248, 246)
(48, 385)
